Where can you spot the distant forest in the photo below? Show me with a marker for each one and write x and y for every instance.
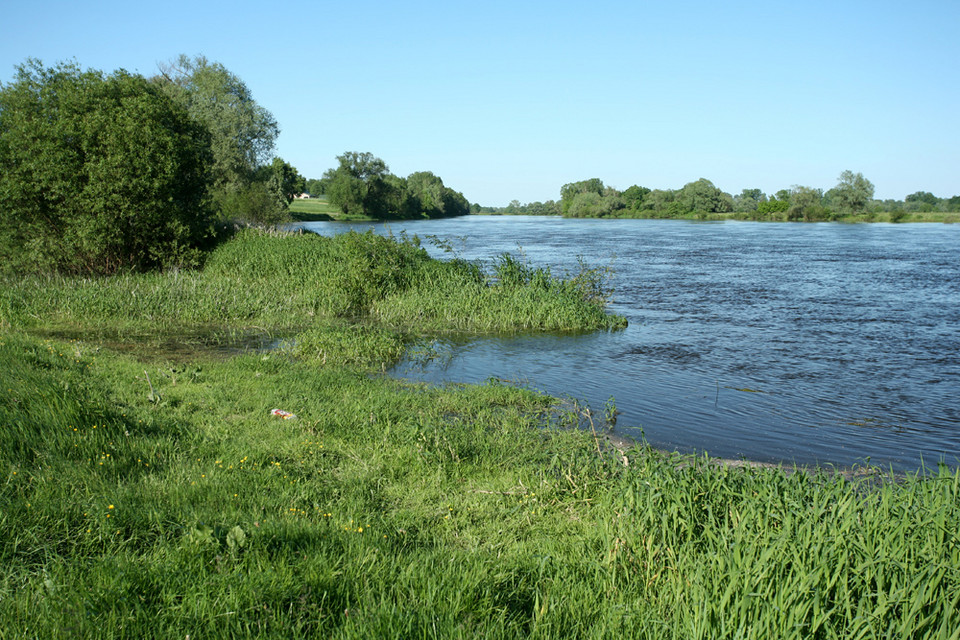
(851, 198)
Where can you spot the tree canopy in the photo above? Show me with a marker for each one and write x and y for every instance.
(362, 184)
(98, 173)
(242, 135)
(852, 194)
(242, 132)
(702, 196)
(851, 198)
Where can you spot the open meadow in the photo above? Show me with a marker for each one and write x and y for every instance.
(319, 209)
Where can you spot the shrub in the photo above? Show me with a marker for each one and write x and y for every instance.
(97, 174)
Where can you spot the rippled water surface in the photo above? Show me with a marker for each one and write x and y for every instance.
(778, 342)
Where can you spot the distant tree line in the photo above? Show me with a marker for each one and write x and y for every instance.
(361, 184)
(101, 173)
(852, 196)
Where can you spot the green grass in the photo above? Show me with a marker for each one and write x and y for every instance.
(317, 210)
(286, 282)
(178, 506)
(143, 496)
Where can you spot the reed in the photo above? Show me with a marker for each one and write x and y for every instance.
(282, 281)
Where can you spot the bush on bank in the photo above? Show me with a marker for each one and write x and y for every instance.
(98, 174)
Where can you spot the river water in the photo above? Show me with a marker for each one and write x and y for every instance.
(795, 343)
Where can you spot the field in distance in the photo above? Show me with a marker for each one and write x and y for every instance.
(314, 210)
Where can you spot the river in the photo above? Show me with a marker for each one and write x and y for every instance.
(793, 343)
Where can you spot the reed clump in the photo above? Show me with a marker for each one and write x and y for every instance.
(285, 281)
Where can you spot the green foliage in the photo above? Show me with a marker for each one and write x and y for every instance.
(591, 199)
(548, 208)
(256, 203)
(806, 203)
(583, 205)
(924, 202)
(634, 197)
(424, 195)
(659, 202)
(748, 201)
(265, 199)
(703, 197)
(850, 201)
(242, 132)
(284, 181)
(316, 188)
(773, 206)
(569, 191)
(363, 185)
(924, 197)
(97, 174)
(349, 185)
(394, 510)
(852, 194)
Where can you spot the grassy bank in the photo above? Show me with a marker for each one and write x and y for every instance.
(146, 497)
(149, 500)
(281, 282)
(319, 210)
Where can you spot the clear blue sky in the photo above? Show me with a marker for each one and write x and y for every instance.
(510, 100)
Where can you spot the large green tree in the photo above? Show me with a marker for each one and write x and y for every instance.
(427, 196)
(852, 194)
(570, 191)
(362, 184)
(425, 193)
(243, 133)
(660, 202)
(748, 201)
(634, 197)
(265, 200)
(922, 201)
(356, 185)
(98, 173)
(284, 181)
(316, 187)
(703, 197)
(806, 203)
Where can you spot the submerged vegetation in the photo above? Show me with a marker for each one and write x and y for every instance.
(150, 497)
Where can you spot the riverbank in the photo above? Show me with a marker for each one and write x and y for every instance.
(149, 497)
(898, 217)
